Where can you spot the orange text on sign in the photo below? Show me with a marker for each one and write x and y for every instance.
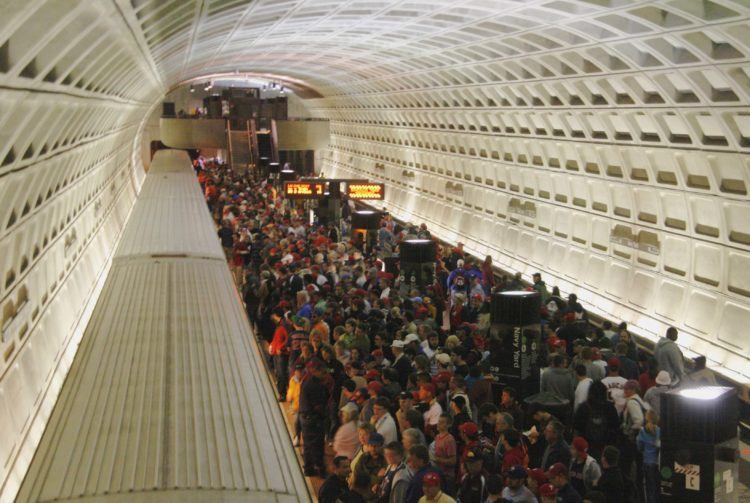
(304, 189)
(365, 191)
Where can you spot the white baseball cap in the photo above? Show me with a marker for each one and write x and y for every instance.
(411, 338)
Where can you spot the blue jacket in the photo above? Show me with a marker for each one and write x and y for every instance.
(649, 445)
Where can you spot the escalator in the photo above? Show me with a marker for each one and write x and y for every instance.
(240, 155)
(266, 144)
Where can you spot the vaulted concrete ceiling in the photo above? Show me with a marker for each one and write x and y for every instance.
(603, 142)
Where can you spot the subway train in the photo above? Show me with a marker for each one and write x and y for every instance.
(167, 398)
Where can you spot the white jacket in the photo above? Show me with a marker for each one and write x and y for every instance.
(591, 471)
(634, 416)
(386, 426)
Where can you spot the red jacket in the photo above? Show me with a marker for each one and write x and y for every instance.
(515, 456)
(278, 343)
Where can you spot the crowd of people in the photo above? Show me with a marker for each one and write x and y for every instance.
(394, 378)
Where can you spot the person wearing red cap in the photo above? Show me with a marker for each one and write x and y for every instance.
(418, 461)
(469, 433)
(536, 478)
(469, 429)
(431, 486)
(584, 469)
(441, 380)
(548, 493)
(558, 477)
(570, 331)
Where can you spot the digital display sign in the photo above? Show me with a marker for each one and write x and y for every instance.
(304, 190)
(362, 191)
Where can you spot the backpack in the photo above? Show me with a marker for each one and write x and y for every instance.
(644, 408)
(596, 427)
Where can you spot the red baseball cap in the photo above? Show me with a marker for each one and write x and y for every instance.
(538, 475)
(469, 428)
(429, 387)
(372, 375)
(580, 444)
(443, 376)
(547, 490)
(314, 365)
(431, 479)
(375, 386)
(613, 363)
(557, 469)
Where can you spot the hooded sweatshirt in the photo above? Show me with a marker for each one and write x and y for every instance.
(558, 381)
(669, 357)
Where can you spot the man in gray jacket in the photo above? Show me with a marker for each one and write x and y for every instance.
(669, 356)
(558, 380)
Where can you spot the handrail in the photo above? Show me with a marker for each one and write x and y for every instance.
(252, 160)
(274, 141)
(228, 129)
(305, 119)
(254, 143)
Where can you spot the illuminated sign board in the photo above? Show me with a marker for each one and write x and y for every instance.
(304, 190)
(365, 190)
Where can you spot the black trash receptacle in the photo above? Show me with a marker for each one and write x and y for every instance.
(555, 405)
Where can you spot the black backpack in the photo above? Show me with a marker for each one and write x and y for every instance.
(596, 427)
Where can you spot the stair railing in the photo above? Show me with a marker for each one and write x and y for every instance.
(274, 142)
(229, 143)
